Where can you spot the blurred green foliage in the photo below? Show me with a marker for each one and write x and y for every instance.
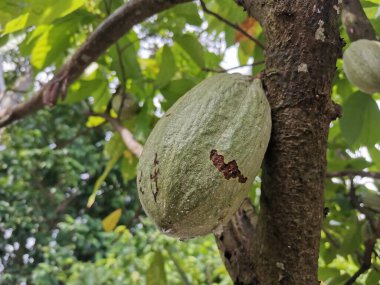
(56, 162)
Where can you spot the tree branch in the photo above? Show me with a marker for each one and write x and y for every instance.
(366, 261)
(134, 146)
(356, 22)
(256, 41)
(106, 34)
(235, 244)
(352, 173)
(331, 238)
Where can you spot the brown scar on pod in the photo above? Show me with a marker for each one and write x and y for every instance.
(229, 170)
(154, 177)
(141, 190)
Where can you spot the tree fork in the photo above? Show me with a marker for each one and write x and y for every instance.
(303, 45)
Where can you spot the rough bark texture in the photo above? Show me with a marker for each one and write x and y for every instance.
(236, 244)
(356, 22)
(302, 47)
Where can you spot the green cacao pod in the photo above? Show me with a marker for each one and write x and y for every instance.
(202, 156)
(361, 64)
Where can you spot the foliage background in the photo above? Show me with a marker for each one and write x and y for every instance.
(58, 162)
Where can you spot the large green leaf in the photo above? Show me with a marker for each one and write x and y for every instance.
(38, 12)
(167, 67)
(360, 122)
(128, 166)
(258, 55)
(85, 87)
(174, 90)
(124, 57)
(192, 46)
(189, 11)
(373, 277)
(51, 42)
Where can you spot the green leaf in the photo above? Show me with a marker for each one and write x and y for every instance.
(192, 46)
(258, 55)
(16, 24)
(87, 86)
(174, 90)
(375, 156)
(339, 279)
(38, 12)
(359, 124)
(167, 67)
(115, 153)
(101, 97)
(142, 127)
(352, 239)
(128, 166)
(52, 42)
(325, 273)
(229, 35)
(373, 277)
(243, 56)
(156, 272)
(188, 11)
(371, 200)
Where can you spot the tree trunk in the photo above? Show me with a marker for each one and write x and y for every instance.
(303, 45)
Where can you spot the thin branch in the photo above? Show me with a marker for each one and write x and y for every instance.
(134, 146)
(352, 173)
(123, 78)
(236, 27)
(106, 34)
(356, 203)
(356, 22)
(366, 261)
(222, 70)
(15, 90)
(330, 237)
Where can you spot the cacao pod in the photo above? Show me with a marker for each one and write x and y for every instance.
(361, 64)
(202, 156)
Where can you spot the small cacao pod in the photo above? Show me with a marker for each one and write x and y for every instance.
(361, 64)
(202, 156)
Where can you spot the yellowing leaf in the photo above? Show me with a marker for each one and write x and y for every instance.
(94, 121)
(16, 24)
(110, 222)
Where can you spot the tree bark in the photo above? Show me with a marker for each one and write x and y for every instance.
(303, 45)
(356, 22)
